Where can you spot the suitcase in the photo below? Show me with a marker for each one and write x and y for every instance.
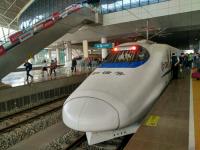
(196, 75)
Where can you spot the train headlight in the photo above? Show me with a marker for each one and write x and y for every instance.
(115, 49)
(134, 48)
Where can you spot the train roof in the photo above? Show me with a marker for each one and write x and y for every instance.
(141, 42)
(145, 42)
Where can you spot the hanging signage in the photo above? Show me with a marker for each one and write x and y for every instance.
(103, 45)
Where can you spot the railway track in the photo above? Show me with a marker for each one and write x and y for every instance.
(114, 144)
(76, 143)
(12, 121)
(72, 140)
(79, 142)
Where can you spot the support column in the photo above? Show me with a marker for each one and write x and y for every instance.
(199, 46)
(68, 53)
(49, 52)
(104, 51)
(58, 55)
(85, 49)
(4, 36)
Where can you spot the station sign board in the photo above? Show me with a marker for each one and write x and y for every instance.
(103, 45)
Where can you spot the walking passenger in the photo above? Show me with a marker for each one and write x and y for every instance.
(175, 66)
(181, 65)
(28, 67)
(52, 68)
(44, 68)
(90, 64)
(74, 63)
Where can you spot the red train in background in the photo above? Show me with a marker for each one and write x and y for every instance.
(25, 34)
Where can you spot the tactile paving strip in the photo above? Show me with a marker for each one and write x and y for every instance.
(196, 103)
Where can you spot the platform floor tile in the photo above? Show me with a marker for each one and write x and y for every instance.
(172, 129)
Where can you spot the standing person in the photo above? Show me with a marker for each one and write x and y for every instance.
(74, 63)
(175, 66)
(99, 61)
(198, 62)
(185, 61)
(181, 65)
(44, 68)
(55, 65)
(190, 60)
(28, 67)
(90, 65)
(52, 68)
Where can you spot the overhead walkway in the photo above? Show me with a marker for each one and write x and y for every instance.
(166, 127)
(71, 23)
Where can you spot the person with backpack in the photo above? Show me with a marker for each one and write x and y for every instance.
(28, 68)
(53, 66)
(44, 68)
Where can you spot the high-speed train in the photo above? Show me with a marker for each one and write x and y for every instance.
(112, 101)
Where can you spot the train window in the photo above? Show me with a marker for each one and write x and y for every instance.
(141, 55)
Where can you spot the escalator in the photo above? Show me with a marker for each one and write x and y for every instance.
(71, 23)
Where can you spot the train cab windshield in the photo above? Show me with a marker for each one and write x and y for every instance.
(129, 57)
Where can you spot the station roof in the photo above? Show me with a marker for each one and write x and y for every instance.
(10, 11)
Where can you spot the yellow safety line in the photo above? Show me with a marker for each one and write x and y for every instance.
(196, 105)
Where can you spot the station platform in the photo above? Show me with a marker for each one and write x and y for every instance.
(18, 95)
(170, 124)
(19, 78)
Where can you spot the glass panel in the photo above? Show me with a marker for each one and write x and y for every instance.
(41, 9)
(104, 6)
(126, 4)
(60, 5)
(135, 3)
(127, 56)
(143, 2)
(111, 6)
(118, 5)
(51, 6)
(153, 1)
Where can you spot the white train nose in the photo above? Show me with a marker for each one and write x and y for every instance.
(90, 114)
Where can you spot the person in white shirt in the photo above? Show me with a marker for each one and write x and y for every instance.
(44, 68)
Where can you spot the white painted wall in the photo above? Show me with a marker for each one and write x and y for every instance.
(150, 11)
